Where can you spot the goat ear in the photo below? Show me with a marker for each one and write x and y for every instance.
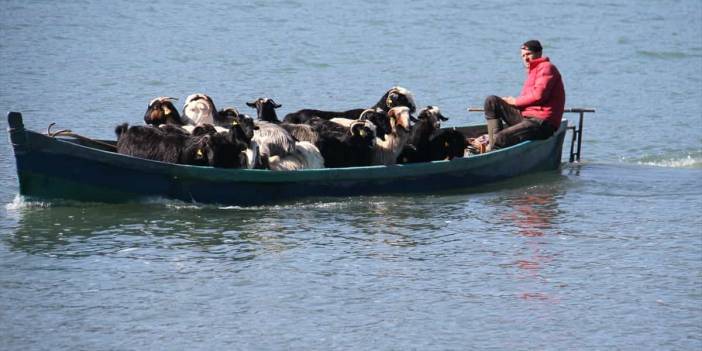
(251, 103)
(413, 119)
(275, 104)
(167, 108)
(441, 117)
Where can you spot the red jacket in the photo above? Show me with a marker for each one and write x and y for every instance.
(543, 95)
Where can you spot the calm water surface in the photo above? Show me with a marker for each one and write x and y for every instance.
(603, 255)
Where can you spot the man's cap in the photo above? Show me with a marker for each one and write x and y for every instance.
(532, 45)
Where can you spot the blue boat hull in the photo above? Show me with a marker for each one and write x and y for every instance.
(56, 168)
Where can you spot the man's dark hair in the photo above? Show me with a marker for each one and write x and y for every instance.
(532, 45)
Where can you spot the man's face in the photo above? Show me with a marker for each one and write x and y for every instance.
(528, 55)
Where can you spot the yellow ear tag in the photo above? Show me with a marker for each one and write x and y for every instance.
(388, 101)
(235, 124)
(363, 132)
(199, 153)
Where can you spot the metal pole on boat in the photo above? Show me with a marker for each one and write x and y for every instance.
(575, 156)
(580, 132)
(572, 143)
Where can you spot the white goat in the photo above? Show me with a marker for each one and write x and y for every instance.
(273, 140)
(305, 156)
(199, 109)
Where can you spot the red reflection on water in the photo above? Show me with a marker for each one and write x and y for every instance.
(535, 296)
(532, 214)
(524, 264)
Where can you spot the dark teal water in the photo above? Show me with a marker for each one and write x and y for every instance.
(603, 255)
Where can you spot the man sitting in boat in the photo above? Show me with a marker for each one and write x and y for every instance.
(536, 113)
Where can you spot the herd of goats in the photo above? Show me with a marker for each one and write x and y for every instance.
(384, 134)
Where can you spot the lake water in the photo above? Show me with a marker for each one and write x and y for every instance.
(601, 255)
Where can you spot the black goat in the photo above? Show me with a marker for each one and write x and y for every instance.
(161, 111)
(226, 116)
(242, 128)
(302, 116)
(417, 148)
(447, 144)
(395, 96)
(171, 144)
(325, 127)
(265, 109)
(225, 150)
(354, 147)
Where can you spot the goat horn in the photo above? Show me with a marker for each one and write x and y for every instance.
(354, 123)
(363, 114)
(192, 97)
(48, 129)
(161, 98)
(54, 134)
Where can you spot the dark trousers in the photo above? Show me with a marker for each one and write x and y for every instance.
(519, 128)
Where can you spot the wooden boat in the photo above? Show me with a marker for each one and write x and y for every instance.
(50, 167)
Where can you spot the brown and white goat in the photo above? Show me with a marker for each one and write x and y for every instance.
(386, 151)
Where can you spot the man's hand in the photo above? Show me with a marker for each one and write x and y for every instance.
(508, 99)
